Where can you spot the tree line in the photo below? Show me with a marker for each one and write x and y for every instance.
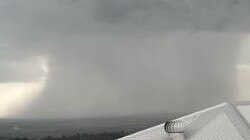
(77, 136)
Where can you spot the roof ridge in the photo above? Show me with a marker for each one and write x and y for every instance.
(236, 103)
(203, 111)
(238, 120)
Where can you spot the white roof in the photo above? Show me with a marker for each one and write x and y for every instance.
(222, 122)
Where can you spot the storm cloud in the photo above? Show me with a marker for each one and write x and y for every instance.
(123, 57)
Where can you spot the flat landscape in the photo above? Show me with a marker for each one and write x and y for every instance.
(38, 128)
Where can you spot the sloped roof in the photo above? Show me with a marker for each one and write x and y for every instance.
(224, 121)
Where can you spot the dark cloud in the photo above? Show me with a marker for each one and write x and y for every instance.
(119, 57)
(36, 20)
(170, 14)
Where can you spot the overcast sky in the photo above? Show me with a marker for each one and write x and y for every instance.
(94, 58)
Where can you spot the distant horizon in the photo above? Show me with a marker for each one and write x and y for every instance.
(102, 117)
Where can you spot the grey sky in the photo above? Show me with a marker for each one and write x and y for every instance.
(122, 57)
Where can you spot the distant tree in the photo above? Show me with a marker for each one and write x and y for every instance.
(78, 136)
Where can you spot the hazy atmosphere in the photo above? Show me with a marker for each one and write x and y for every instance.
(102, 58)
